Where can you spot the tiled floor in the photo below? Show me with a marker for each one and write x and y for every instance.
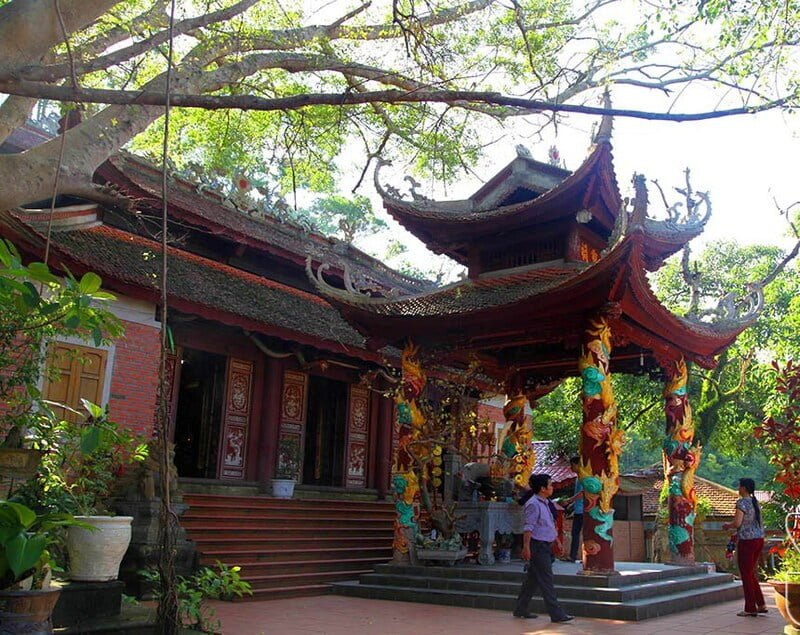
(337, 615)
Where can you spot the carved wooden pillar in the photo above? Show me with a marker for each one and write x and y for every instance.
(681, 460)
(405, 484)
(600, 445)
(384, 445)
(270, 420)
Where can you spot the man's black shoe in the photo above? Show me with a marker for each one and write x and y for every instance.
(565, 618)
(525, 616)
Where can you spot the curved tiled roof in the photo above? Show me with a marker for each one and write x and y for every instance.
(260, 231)
(468, 296)
(198, 283)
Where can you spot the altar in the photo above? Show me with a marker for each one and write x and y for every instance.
(487, 518)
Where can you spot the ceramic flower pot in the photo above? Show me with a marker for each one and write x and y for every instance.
(95, 556)
(283, 487)
(787, 597)
(27, 612)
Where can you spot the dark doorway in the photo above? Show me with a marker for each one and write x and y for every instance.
(323, 460)
(198, 414)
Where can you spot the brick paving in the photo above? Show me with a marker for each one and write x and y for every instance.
(337, 615)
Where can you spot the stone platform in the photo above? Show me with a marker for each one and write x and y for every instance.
(641, 590)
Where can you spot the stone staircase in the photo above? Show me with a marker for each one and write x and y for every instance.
(290, 548)
(640, 592)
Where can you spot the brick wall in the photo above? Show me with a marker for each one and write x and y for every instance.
(134, 378)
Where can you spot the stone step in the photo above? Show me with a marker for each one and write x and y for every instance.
(259, 595)
(512, 571)
(282, 580)
(190, 520)
(241, 555)
(269, 546)
(259, 568)
(268, 502)
(281, 531)
(563, 589)
(633, 610)
(290, 548)
(304, 514)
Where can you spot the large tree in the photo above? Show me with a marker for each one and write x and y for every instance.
(422, 78)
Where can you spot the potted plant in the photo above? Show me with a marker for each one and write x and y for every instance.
(786, 578)
(288, 468)
(26, 599)
(780, 435)
(504, 543)
(78, 476)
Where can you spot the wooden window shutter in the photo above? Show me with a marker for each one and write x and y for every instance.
(81, 374)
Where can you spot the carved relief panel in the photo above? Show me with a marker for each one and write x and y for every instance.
(236, 419)
(357, 446)
(294, 400)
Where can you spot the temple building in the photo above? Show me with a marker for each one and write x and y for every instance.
(282, 339)
(557, 286)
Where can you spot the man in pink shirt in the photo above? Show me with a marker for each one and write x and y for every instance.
(540, 532)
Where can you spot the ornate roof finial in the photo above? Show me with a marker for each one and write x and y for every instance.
(523, 151)
(732, 310)
(606, 123)
(554, 157)
(639, 201)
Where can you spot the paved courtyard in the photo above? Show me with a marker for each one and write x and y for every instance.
(337, 615)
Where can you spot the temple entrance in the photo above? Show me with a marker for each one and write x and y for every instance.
(326, 426)
(198, 414)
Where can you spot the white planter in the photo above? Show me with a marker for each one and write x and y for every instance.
(283, 487)
(95, 556)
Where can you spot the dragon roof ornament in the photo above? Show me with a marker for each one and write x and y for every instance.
(679, 222)
(356, 286)
(734, 310)
(392, 192)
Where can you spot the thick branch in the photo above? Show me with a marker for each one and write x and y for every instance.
(462, 98)
(30, 28)
(58, 71)
(14, 112)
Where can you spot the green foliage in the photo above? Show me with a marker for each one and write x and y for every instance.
(24, 540)
(780, 431)
(79, 471)
(37, 307)
(788, 569)
(225, 583)
(702, 509)
(348, 218)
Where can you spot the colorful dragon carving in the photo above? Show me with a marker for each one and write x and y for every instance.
(681, 460)
(516, 445)
(601, 443)
(410, 421)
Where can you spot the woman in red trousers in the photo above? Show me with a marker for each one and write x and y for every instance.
(750, 532)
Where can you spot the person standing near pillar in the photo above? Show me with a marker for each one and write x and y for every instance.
(539, 533)
(750, 532)
(577, 510)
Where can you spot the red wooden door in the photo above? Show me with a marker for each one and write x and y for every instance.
(236, 419)
(357, 444)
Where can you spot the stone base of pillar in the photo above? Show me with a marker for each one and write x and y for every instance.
(143, 552)
(602, 572)
(679, 560)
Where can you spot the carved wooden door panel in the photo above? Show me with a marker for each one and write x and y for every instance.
(357, 445)
(294, 400)
(236, 419)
